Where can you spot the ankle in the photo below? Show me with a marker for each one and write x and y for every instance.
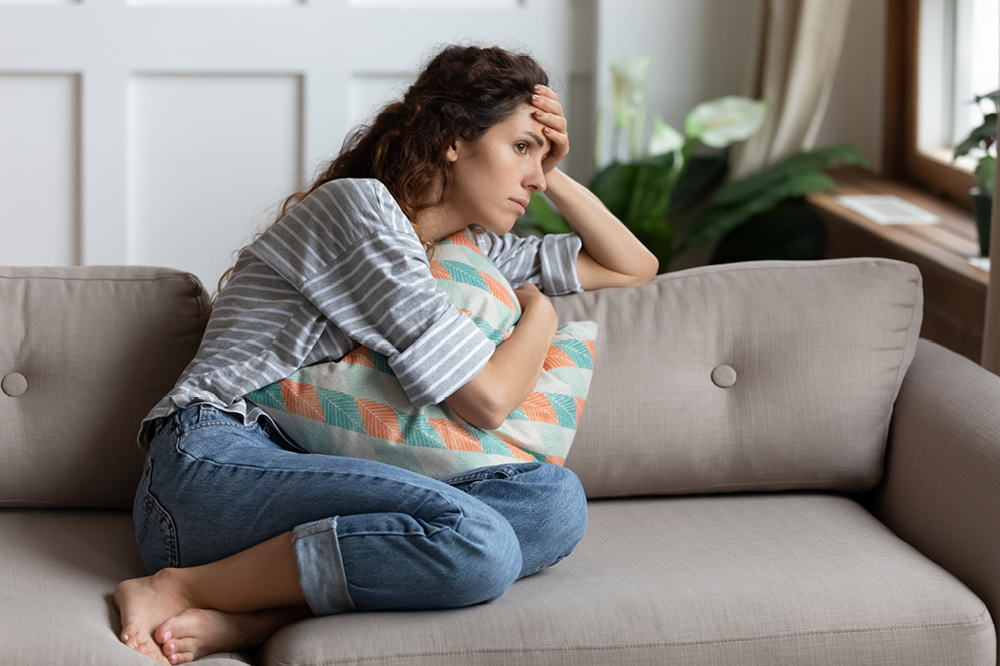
(177, 584)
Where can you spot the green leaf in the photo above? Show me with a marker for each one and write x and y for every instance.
(720, 220)
(613, 186)
(697, 178)
(984, 133)
(789, 231)
(986, 174)
(654, 183)
(773, 176)
(540, 215)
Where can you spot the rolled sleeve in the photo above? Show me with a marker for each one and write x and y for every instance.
(444, 358)
(548, 261)
(557, 257)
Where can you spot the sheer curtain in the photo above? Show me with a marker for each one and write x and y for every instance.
(794, 62)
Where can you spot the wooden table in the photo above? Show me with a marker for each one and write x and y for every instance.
(954, 290)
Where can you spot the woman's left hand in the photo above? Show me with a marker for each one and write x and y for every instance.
(548, 111)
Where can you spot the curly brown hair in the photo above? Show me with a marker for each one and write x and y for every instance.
(460, 94)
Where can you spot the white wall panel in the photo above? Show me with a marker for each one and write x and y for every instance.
(39, 170)
(207, 157)
(195, 116)
(368, 93)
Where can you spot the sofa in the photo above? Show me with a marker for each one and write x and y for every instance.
(778, 469)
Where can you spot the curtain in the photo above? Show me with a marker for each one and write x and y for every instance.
(792, 67)
(991, 330)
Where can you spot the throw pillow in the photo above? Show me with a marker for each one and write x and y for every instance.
(356, 407)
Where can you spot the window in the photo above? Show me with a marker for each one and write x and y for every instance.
(941, 55)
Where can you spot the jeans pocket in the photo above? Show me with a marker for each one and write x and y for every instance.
(155, 533)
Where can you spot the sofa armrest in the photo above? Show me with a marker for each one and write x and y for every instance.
(941, 488)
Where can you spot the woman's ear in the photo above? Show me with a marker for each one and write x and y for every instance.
(451, 153)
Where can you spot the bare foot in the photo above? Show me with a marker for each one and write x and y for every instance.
(144, 604)
(197, 632)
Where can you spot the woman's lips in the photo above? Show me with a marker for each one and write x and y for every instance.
(520, 203)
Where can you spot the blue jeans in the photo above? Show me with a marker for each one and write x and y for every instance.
(366, 535)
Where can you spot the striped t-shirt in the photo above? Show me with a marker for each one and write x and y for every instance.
(345, 268)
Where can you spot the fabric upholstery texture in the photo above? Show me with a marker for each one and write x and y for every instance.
(761, 579)
(356, 407)
(58, 571)
(97, 347)
(941, 491)
(818, 350)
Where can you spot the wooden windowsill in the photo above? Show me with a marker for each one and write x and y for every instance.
(954, 289)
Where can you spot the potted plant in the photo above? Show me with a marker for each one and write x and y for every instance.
(757, 217)
(983, 137)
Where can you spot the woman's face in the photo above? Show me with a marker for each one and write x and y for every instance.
(494, 176)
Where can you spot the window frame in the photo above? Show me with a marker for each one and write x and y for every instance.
(900, 158)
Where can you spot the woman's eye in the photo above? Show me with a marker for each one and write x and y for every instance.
(521, 147)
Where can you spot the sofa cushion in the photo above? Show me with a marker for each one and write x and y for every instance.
(58, 571)
(766, 375)
(85, 353)
(791, 578)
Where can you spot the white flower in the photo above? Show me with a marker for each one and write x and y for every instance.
(725, 120)
(665, 138)
(628, 87)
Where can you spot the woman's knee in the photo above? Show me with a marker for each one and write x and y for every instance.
(567, 505)
(489, 559)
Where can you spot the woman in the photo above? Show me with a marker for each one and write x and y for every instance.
(241, 530)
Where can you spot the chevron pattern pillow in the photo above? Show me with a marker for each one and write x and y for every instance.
(356, 407)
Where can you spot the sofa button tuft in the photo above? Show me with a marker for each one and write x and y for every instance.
(14, 384)
(724, 376)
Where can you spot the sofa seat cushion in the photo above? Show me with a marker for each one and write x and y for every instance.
(795, 578)
(58, 571)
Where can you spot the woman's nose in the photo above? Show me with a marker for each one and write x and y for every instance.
(536, 179)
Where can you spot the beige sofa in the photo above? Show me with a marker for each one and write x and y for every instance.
(771, 480)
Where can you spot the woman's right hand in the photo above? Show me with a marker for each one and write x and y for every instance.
(529, 295)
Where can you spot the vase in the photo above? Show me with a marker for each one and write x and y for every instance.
(984, 207)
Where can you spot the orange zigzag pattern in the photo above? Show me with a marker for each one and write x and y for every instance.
(439, 271)
(557, 358)
(454, 437)
(537, 408)
(301, 400)
(380, 420)
(459, 238)
(515, 448)
(498, 291)
(359, 356)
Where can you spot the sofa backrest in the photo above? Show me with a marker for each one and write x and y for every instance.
(763, 376)
(85, 354)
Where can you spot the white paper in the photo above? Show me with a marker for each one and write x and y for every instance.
(887, 209)
(980, 262)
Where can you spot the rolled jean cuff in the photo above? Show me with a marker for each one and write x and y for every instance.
(321, 569)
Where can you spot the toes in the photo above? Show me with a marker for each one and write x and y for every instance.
(179, 645)
(152, 651)
(184, 624)
(181, 657)
(128, 632)
(164, 632)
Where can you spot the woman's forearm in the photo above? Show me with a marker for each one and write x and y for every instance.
(516, 365)
(605, 238)
(511, 373)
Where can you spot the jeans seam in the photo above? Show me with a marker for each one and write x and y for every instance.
(173, 557)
